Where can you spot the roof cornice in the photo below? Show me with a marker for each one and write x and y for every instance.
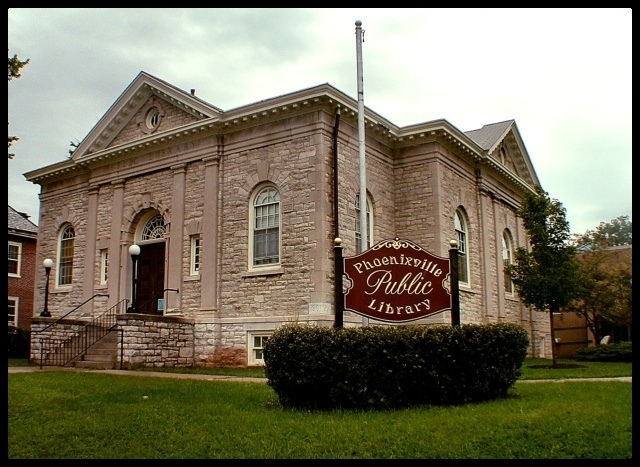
(214, 120)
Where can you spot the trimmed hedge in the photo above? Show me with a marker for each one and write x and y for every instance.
(19, 342)
(379, 367)
(618, 352)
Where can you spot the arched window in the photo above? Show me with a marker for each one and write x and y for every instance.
(369, 225)
(507, 259)
(463, 247)
(153, 229)
(265, 227)
(66, 246)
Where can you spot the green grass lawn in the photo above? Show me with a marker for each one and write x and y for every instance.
(91, 415)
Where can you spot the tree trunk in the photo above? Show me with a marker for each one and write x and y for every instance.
(553, 309)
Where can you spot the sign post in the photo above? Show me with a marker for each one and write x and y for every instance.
(455, 289)
(339, 294)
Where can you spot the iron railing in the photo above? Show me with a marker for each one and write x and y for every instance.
(60, 351)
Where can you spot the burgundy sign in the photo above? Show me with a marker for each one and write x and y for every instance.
(396, 281)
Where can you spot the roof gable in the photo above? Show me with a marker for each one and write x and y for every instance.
(18, 221)
(121, 131)
(503, 144)
(126, 111)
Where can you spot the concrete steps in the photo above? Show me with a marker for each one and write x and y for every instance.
(103, 355)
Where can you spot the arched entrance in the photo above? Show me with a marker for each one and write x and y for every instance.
(151, 265)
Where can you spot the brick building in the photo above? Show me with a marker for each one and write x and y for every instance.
(571, 329)
(233, 215)
(22, 237)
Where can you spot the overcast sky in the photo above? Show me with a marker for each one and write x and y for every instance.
(564, 76)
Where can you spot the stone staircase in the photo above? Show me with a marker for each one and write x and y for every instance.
(103, 355)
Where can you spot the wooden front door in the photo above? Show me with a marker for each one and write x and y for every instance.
(150, 282)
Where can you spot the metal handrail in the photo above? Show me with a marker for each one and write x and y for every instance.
(66, 350)
(67, 314)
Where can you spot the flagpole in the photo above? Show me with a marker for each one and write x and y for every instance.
(361, 148)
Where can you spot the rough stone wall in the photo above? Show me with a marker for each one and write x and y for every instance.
(103, 234)
(46, 339)
(164, 342)
(68, 206)
(154, 187)
(173, 118)
(289, 165)
(414, 192)
(458, 190)
(378, 175)
(191, 287)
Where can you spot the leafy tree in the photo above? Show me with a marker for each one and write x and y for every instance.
(15, 66)
(546, 277)
(604, 291)
(607, 234)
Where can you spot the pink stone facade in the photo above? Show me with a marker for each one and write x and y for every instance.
(199, 170)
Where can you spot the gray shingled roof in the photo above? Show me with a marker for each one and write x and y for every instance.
(18, 221)
(489, 135)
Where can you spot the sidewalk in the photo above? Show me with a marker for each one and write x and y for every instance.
(155, 374)
(246, 379)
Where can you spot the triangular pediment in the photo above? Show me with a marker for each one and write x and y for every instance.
(504, 146)
(149, 106)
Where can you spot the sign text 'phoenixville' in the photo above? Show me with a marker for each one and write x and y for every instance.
(397, 281)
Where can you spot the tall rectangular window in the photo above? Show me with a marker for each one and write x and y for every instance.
(506, 261)
(13, 311)
(266, 227)
(463, 258)
(104, 266)
(65, 259)
(195, 255)
(15, 252)
(359, 230)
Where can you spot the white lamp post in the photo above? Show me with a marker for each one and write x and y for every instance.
(134, 251)
(48, 264)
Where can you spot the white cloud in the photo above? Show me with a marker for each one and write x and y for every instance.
(564, 75)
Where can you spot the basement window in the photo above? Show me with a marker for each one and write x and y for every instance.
(256, 348)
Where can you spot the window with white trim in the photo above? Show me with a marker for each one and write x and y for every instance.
(13, 311)
(15, 255)
(265, 227)
(369, 225)
(154, 229)
(65, 255)
(152, 119)
(104, 266)
(507, 259)
(461, 237)
(194, 268)
(256, 348)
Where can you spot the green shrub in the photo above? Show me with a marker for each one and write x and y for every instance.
(376, 367)
(618, 352)
(19, 342)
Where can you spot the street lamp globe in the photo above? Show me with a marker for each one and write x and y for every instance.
(134, 250)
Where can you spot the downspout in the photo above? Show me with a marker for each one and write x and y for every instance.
(337, 242)
(336, 230)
